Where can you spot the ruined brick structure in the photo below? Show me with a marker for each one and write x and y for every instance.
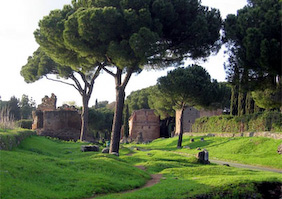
(189, 117)
(63, 123)
(145, 124)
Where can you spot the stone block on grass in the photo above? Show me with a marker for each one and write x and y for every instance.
(106, 150)
(85, 148)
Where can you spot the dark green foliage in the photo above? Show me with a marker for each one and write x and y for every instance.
(150, 98)
(269, 98)
(162, 104)
(40, 65)
(101, 104)
(100, 120)
(138, 100)
(253, 38)
(128, 34)
(241, 103)
(25, 124)
(192, 86)
(266, 121)
(27, 106)
(14, 109)
(247, 102)
(17, 109)
(125, 122)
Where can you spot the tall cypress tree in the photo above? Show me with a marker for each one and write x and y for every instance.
(125, 122)
(234, 100)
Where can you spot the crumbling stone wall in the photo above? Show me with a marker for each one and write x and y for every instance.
(189, 117)
(48, 103)
(144, 123)
(63, 123)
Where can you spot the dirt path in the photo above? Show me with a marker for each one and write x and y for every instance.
(155, 178)
(238, 165)
(245, 166)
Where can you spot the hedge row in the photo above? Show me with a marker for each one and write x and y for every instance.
(12, 138)
(263, 121)
(25, 124)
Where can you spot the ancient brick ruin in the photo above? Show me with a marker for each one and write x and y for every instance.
(63, 123)
(189, 117)
(144, 125)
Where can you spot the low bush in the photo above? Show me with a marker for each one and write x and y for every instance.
(265, 121)
(25, 124)
(12, 138)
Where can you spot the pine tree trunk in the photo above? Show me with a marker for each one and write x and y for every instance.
(120, 94)
(117, 123)
(179, 144)
(84, 118)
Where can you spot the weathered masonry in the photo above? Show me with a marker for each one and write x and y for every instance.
(144, 124)
(63, 122)
(189, 117)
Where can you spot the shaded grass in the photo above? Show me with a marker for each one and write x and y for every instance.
(44, 168)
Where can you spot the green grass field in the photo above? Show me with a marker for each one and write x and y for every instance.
(248, 150)
(46, 168)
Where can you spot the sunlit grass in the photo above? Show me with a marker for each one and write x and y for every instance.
(49, 168)
(249, 150)
(44, 168)
(184, 178)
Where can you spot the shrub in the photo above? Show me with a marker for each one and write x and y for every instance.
(25, 124)
(12, 138)
(266, 121)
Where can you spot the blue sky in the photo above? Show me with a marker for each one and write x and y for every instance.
(19, 19)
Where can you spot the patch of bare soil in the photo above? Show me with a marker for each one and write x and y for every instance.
(155, 178)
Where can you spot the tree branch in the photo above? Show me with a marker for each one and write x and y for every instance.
(60, 81)
(108, 71)
(126, 78)
(93, 79)
(79, 88)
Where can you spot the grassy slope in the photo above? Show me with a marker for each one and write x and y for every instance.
(184, 178)
(10, 138)
(44, 168)
(254, 151)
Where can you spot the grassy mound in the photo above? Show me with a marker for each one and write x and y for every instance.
(12, 138)
(45, 168)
